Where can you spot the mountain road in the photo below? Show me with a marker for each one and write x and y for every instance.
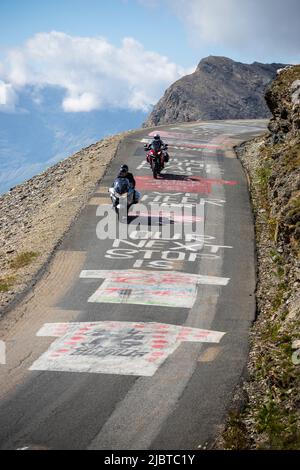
(137, 334)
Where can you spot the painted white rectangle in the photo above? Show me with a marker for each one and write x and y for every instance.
(153, 277)
(160, 295)
(159, 288)
(127, 348)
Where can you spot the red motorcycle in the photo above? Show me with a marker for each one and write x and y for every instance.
(156, 158)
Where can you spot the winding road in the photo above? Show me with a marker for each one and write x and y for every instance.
(137, 334)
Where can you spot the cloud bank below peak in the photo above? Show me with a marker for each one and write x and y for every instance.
(94, 73)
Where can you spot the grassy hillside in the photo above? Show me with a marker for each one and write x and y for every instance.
(266, 410)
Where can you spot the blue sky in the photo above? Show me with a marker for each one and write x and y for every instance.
(113, 19)
(163, 26)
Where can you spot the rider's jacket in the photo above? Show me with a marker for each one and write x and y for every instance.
(130, 178)
(156, 145)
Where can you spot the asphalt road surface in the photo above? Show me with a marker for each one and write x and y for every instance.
(137, 334)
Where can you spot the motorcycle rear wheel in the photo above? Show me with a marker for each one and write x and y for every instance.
(154, 170)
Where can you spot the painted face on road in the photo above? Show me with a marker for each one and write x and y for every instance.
(126, 348)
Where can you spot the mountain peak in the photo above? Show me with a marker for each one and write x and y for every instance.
(220, 88)
(214, 60)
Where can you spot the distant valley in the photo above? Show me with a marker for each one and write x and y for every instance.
(41, 133)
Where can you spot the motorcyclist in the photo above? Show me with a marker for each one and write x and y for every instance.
(124, 173)
(156, 145)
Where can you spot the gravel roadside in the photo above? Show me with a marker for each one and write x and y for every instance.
(35, 216)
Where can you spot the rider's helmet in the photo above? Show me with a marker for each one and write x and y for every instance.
(121, 185)
(157, 137)
(124, 170)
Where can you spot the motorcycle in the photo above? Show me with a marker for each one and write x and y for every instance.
(156, 158)
(123, 196)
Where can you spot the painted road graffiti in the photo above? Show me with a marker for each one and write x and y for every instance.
(167, 232)
(183, 216)
(173, 135)
(179, 199)
(215, 142)
(192, 244)
(204, 148)
(127, 348)
(169, 215)
(180, 219)
(184, 166)
(160, 253)
(153, 232)
(164, 289)
(190, 145)
(189, 184)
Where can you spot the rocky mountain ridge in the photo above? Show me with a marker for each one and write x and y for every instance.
(220, 88)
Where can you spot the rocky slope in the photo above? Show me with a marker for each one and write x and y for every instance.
(35, 215)
(220, 88)
(270, 398)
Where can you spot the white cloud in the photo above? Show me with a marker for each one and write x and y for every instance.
(8, 97)
(259, 28)
(94, 73)
(82, 102)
